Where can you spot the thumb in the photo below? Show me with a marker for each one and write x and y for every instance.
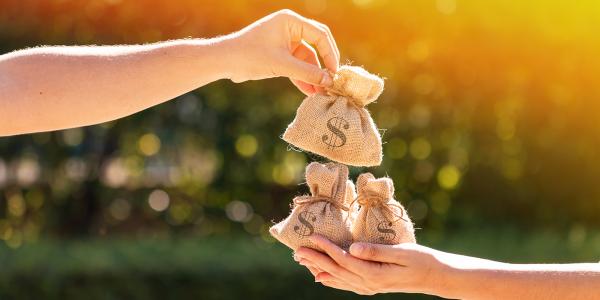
(300, 70)
(376, 252)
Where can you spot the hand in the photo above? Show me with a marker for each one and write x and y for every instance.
(369, 268)
(278, 45)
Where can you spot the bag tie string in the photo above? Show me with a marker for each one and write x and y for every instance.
(308, 199)
(374, 200)
(355, 84)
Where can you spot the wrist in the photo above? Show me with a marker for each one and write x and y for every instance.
(468, 277)
(214, 58)
(229, 53)
(445, 281)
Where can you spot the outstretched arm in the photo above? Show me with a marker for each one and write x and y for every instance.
(50, 88)
(412, 268)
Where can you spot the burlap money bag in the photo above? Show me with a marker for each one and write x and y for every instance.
(323, 212)
(380, 219)
(337, 125)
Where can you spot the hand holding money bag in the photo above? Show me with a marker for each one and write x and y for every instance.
(324, 212)
(336, 125)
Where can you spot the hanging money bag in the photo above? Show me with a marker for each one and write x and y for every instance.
(336, 125)
(380, 218)
(323, 212)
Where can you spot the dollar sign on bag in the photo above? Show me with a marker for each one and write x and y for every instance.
(336, 138)
(306, 228)
(387, 233)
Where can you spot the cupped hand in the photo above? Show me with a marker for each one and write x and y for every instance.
(279, 45)
(370, 268)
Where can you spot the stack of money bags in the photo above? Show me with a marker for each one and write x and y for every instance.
(337, 126)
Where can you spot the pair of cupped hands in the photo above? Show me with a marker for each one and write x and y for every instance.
(283, 42)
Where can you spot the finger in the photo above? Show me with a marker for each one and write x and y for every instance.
(336, 285)
(321, 275)
(344, 287)
(324, 276)
(314, 271)
(349, 286)
(300, 70)
(341, 257)
(311, 268)
(330, 42)
(308, 30)
(396, 254)
(330, 35)
(308, 264)
(305, 52)
(326, 264)
(307, 89)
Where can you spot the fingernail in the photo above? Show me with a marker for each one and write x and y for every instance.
(296, 258)
(317, 280)
(326, 79)
(356, 248)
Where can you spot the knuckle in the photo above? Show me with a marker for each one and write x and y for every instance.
(287, 13)
(322, 32)
(327, 55)
(323, 43)
(316, 75)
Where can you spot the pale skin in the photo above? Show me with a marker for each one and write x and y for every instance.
(52, 88)
(369, 269)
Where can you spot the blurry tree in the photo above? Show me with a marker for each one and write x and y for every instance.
(489, 113)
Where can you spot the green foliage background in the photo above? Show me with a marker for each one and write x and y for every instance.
(490, 119)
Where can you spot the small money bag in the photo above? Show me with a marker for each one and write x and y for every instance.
(337, 125)
(324, 212)
(380, 219)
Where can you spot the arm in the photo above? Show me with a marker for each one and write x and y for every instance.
(51, 88)
(370, 269)
(526, 281)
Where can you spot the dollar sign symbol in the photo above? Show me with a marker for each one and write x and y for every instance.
(306, 228)
(336, 138)
(387, 233)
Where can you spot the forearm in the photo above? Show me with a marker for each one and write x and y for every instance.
(52, 88)
(493, 280)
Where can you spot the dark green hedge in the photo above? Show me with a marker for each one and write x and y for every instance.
(230, 268)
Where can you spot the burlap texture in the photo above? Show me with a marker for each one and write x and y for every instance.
(324, 212)
(381, 219)
(337, 125)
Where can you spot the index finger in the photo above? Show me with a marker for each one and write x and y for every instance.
(315, 33)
